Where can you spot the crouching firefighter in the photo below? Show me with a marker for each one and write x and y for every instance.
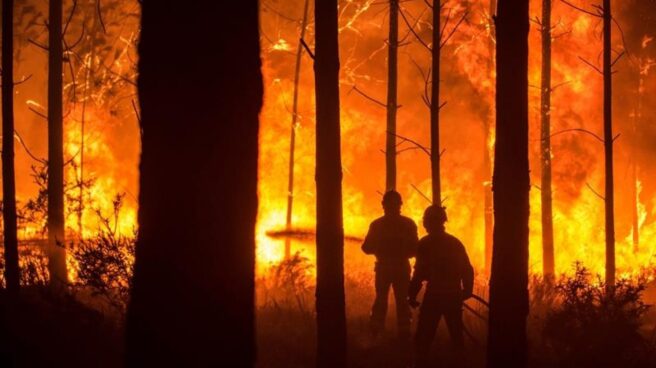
(393, 240)
(442, 263)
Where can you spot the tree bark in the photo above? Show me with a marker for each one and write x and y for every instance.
(507, 346)
(331, 316)
(487, 161)
(192, 300)
(392, 81)
(435, 106)
(56, 219)
(12, 271)
(292, 141)
(548, 263)
(608, 148)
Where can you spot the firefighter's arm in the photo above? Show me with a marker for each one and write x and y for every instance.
(370, 241)
(413, 240)
(418, 276)
(467, 272)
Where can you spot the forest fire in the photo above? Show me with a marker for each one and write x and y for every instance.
(241, 183)
(468, 90)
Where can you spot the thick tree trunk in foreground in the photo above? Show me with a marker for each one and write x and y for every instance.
(392, 79)
(331, 315)
(487, 160)
(507, 346)
(192, 300)
(292, 140)
(435, 107)
(548, 263)
(56, 219)
(608, 148)
(12, 276)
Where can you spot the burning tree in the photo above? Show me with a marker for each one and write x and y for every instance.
(507, 346)
(331, 314)
(11, 268)
(192, 297)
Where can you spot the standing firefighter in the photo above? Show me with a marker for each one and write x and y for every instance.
(393, 240)
(443, 263)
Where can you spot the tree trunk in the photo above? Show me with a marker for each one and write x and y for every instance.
(292, 141)
(56, 219)
(192, 300)
(487, 162)
(435, 106)
(548, 265)
(507, 346)
(12, 272)
(608, 148)
(331, 316)
(392, 79)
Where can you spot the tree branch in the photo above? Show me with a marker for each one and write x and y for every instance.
(595, 192)
(355, 88)
(581, 9)
(413, 31)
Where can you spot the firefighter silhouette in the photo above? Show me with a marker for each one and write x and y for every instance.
(392, 238)
(442, 263)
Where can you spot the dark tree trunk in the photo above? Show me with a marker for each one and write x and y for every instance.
(56, 219)
(192, 301)
(507, 346)
(292, 141)
(548, 265)
(331, 316)
(435, 106)
(12, 276)
(608, 148)
(392, 79)
(487, 161)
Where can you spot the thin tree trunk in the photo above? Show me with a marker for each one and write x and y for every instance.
(487, 163)
(507, 346)
(634, 165)
(56, 220)
(392, 79)
(292, 141)
(608, 148)
(88, 76)
(331, 315)
(12, 272)
(192, 302)
(548, 263)
(435, 106)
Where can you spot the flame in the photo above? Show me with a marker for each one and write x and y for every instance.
(468, 82)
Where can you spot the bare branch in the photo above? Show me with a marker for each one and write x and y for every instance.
(100, 16)
(617, 59)
(29, 153)
(591, 65)
(38, 112)
(45, 48)
(581, 9)
(560, 85)
(413, 30)
(422, 147)
(136, 110)
(595, 192)
(355, 88)
(307, 48)
(455, 28)
(578, 130)
(70, 17)
(421, 193)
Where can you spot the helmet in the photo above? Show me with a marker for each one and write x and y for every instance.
(392, 198)
(435, 213)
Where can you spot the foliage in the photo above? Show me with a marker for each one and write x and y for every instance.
(597, 325)
(105, 261)
(289, 283)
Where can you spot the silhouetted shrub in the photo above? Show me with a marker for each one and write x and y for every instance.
(596, 325)
(289, 283)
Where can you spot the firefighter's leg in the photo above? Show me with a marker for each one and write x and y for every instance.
(400, 287)
(429, 317)
(453, 317)
(379, 309)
